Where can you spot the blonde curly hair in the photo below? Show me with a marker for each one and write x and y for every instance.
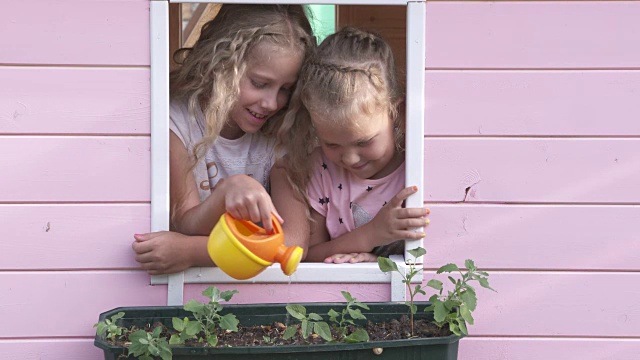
(209, 73)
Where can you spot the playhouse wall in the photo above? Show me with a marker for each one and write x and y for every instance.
(532, 159)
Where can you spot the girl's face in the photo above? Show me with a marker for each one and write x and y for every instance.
(265, 88)
(365, 147)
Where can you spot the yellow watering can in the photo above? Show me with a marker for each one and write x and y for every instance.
(243, 249)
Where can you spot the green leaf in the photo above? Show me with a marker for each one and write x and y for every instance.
(194, 306)
(359, 304)
(101, 328)
(462, 326)
(227, 295)
(469, 299)
(212, 340)
(466, 314)
(178, 324)
(297, 311)
(347, 296)
(315, 317)
(154, 350)
(360, 335)
(175, 340)
(413, 308)
(144, 341)
(229, 322)
(117, 316)
(386, 264)
(448, 268)
(306, 327)
(145, 357)
(212, 293)
(484, 283)
(356, 314)
(439, 311)
(289, 332)
(417, 252)
(469, 264)
(192, 328)
(322, 328)
(165, 351)
(157, 331)
(436, 284)
(454, 328)
(137, 348)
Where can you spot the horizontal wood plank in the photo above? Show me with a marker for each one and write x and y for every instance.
(71, 236)
(533, 34)
(48, 168)
(480, 348)
(39, 304)
(540, 237)
(109, 32)
(54, 349)
(532, 170)
(67, 303)
(45, 100)
(539, 103)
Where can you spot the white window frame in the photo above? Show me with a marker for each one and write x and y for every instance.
(306, 272)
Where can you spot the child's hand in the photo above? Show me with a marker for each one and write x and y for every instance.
(351, 258)
(162, 252)
(393, 222)
(246, 199)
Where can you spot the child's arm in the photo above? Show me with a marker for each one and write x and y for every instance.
(293, 211)
(240, 195)
(392, 222)
(167, 252)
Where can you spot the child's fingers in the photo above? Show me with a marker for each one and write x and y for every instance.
(402, 195)
(363, 257)
(405, 213)
(411, 235)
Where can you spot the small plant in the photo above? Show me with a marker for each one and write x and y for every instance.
(456, 307)
(109, 327)
(387, 265)
(207, 317)
(314, 324)
(146, 346)
(359, 335)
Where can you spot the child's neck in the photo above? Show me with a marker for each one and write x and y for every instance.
(394, 163)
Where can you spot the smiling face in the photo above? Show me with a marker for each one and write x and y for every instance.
(363, 145)
(265, 88)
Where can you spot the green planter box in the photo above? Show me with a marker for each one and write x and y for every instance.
(437, 348)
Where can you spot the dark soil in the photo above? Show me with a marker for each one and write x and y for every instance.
(272, 335)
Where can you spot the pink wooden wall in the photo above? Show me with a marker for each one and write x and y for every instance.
(533, 106)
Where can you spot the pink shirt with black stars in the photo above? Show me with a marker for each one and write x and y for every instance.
(345, 200)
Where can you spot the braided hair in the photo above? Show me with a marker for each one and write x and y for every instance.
(352, 72)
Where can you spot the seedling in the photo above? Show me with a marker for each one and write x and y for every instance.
(207, 317)
(314, 324)
(456, 307)
(387, 265)
(109, 327)
(146, 346)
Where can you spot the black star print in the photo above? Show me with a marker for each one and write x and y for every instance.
(340, 219)
(326, 200)
(321, 201)
(385, 203)
(324, 166)
(369, 188)
(340, 187)
(350, 204)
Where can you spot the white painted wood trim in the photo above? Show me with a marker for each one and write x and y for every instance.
(307, 272)
(416, 25)
(159, 43)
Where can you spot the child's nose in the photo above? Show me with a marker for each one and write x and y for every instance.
(350, 158)
(270, 101)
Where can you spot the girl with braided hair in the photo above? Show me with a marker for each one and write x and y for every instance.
(228, 97)
(345, 164)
